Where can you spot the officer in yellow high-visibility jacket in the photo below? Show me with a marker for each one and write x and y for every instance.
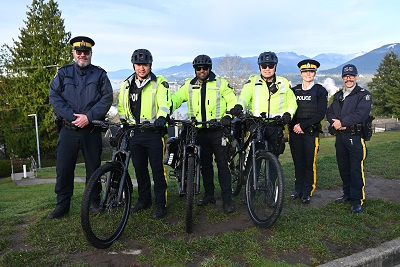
(269, 93)
(146, 97)
(209, 96)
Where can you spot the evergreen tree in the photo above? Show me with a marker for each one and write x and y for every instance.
(385, 87)
(26, 69)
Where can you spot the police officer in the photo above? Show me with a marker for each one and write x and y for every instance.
(209, 97)
(304, 129)
(269, 93)
(350, 108)
(79, 93)
(146, 97)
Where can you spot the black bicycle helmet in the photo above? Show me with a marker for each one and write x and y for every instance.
(202, 60)
(142, 56)
(267, 57)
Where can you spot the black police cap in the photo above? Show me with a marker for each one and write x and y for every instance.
(82, 43)
(308, 64)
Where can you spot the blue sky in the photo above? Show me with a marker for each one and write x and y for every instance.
(175, 31)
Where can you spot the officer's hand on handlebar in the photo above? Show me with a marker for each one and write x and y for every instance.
(160, 122)
(226, 121)
(286, 118)
(236, 110)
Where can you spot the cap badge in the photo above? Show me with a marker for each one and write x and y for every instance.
(348, 69)
(308, 65)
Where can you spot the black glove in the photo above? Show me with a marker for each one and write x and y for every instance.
(236, 110)
(286, 118)
(160, 122)
(226, 121)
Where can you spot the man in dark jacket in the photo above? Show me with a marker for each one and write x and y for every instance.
(347, 114)
(79, 93)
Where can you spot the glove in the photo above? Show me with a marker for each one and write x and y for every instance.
(160, 122)
(226, 121)
(236, 110)
(286, 118)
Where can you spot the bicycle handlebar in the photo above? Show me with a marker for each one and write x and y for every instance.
(122, 124)
(194, 122)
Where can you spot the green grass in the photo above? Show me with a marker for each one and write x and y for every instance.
(318, 234)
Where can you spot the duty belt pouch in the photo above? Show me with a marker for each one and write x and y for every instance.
(367, 128)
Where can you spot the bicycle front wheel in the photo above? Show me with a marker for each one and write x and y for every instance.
(265, 194)
(235, 163)
(105, 224)
(190, 192)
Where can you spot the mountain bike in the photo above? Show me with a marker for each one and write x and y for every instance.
(253, 164)
(107, 197)
(184, 157)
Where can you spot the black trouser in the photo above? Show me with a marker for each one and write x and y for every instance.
(148, 147)
(350, 155)
(69, 143)
(304, 149)
(210, 141)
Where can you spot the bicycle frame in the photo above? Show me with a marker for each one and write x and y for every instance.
(122, 154)
(187, 142)
(255, 137)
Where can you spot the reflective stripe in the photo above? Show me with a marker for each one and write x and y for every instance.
(281, 95)
(153, 108)
(190, 107)
(316, 148)
(364, 147)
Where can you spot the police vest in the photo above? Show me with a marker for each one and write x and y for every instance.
(191, 112)
(151, 109)
(256, 97)
(307, 102)
(218, 98)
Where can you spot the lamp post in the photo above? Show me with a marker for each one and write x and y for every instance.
(37, 138)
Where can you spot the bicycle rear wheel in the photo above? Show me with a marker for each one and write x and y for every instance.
(104, 226)
(190, 193)
(265, 198)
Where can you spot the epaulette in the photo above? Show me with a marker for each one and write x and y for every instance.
(166, 85)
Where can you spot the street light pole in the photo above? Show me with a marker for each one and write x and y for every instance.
(37, 138)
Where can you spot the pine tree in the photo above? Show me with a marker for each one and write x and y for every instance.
(385, 87)
(26, 69)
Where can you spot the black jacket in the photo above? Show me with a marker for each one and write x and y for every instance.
(354, 109)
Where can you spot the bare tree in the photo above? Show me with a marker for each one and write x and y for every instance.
(235, 70)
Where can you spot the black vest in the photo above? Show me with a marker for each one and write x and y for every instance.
(307, 102)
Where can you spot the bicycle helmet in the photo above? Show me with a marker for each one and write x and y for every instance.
(267, 57)
(142, 56)
(202, 60)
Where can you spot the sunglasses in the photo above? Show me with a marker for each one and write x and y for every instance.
(199, 68)
(270, 66)
(85, 52)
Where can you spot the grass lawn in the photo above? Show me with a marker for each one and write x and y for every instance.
(301, 237)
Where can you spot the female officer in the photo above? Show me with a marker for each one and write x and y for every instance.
(304, 129)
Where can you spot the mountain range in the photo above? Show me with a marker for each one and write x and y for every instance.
(331, 63)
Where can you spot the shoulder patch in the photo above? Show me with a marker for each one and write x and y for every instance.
(368, 97)
(166, 85)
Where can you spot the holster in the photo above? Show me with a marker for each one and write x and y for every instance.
(58, 120)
